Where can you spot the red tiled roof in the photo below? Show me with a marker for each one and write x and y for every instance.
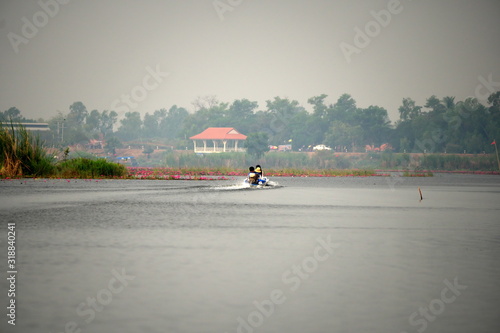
(219, 133)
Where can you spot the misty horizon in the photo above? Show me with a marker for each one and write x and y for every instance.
(55, 53)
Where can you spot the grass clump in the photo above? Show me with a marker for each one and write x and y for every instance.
(88, 168)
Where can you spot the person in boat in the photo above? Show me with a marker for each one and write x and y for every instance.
(253, 177)
(258, 169)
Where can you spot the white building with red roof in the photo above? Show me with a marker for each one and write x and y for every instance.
(218, 140)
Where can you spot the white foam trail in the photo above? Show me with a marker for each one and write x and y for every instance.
(243, 185)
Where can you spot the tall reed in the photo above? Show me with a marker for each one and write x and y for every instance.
(22, 153)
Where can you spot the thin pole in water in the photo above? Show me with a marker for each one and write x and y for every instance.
(420, 191)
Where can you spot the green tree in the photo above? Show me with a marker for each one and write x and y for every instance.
(494, 101)
(173, 124)
(374, 123)
(280, 114)
(493, 122)
(213, 114)
(131, 125)
(409, 110)
(343, 135)
(12, 114)
(319, 107)
(343, 110)
(77, 114)
(449, 102)
(108, 120)
(257, 144)
(151, 124)
(317, 125)
(435, 105)
(241, 115)
(93, 122)
(74, 124)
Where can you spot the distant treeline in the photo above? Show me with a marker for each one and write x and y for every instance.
(439, 126)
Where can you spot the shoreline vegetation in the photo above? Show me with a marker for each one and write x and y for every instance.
(22, 155)
(222, 173)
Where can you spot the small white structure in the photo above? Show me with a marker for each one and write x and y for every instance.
(218, 140)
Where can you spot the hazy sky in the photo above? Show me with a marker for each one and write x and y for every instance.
(100, 52)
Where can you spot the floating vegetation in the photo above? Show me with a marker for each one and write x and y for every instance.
(417, 174)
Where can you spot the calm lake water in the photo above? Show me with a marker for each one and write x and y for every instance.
(310, 255)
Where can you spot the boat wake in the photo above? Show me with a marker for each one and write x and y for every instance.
(242, 186)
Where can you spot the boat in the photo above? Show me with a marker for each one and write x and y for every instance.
(263, 181)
